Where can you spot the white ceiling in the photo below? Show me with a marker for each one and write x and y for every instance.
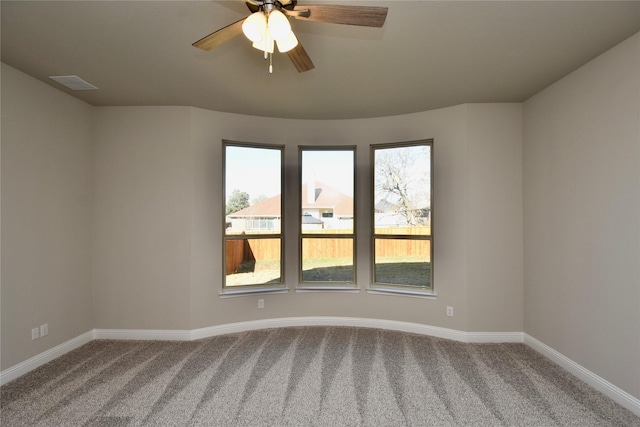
(429, 54)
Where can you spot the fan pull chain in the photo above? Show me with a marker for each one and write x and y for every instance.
(271, 63)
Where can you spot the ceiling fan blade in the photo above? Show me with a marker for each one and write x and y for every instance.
(366, 16)
(223, 35)
(300, 59)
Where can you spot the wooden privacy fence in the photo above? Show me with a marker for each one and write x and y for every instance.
(413, 231)
(392, 248)
(327, 248)
(236, 252)
(239, 251)
(250, 250)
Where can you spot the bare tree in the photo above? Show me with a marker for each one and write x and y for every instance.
(401, 179)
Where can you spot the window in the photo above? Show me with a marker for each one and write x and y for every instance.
(402, 216)
(327, 238)
(253, 240)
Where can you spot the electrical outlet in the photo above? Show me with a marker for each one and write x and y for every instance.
(260, 303)
(449, 311)
(35, 333)
(44, 330)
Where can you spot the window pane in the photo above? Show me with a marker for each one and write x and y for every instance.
(327, 191)
(252, 189)
(327, 260)
(402, 190)
(253, 262)
(405, 262)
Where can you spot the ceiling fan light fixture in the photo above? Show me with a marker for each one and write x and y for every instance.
(265, 45)
(287, 44)
(268, 24)
(255, 27)
(279, 26)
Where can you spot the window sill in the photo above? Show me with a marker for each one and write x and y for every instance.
(403, 293)
(243, 292)
(343, 289)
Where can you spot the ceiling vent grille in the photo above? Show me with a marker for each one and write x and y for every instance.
(73, 82)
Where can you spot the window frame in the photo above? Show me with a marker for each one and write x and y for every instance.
(258, 287)
(383, 287)
(328, 285)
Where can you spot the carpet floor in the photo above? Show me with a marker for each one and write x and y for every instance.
(308, 376)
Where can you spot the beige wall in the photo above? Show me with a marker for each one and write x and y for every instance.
(142, 205)
(158, 171)
(494, 241)
(582, 216)
(46, 216)
(445, 126)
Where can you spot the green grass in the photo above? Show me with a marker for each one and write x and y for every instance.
(327, 270)
(409, 271)
(255, 273)
(404, 273)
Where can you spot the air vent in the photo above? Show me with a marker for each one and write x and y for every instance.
(73, 82)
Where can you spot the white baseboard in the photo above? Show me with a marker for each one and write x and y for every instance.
(234, 328)
(495, 337)
(142, 334)
(28, 365)
(618, 395)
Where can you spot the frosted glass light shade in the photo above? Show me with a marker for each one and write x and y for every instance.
(279, 26)
(255, 27)
(265, 45)
(287, 44)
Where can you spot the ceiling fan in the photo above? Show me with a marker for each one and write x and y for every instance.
(269, 23)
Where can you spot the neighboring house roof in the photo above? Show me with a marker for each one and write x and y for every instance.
(325, 197)
(267, 208)
(328, 197)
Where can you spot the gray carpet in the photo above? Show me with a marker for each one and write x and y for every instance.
(322, 376)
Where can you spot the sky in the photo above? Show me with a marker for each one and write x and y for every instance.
(333, 168)
(253, 170)
(257, 170)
